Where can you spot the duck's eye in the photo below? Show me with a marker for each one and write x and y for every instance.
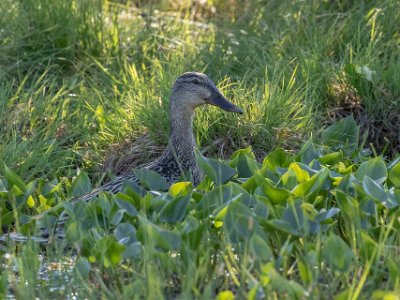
(195, 81)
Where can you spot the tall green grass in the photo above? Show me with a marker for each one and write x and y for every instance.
(80, 76)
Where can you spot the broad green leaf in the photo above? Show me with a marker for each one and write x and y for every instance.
(149, 233)
(308, 152)
(108, 251)
(151, 179)
(283, 226)
(125, 233)
(30, 201)
(377, 192)
(276, 158)
(240, 223)
(260, 248)
(374, 168)
(244, 161)
(174, 210)
(81, 185)
(331, 158)
(14, 179)
(394, 175)
(82, 267)
(312, 185)
(126, 205)
(343, 134)
(275, 194)
(118, 217)
(225, 295)
(337, 254)
(217, 171)
(180, 188)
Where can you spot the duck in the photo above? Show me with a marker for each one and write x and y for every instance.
(190, 91)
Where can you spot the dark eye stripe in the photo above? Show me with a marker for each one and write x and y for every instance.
(190, 80)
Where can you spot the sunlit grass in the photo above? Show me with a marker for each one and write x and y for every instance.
(79, 78)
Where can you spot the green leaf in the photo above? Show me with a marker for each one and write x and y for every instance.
(373, 189)
(82, 267)
(149, 233)
(244, 161)
(180, 188)
(337, 254)
(125, 233)
(260, 248)
(240, 223)
(308, 152)
(81, 185)
(276, 158)
(344, 133)
(225, 295)
(108, 251)
(394, 175)
(126, 205)
(30, 201)
(283, 226)
(312, 185)
(374, 168)
(14, 179)
(151, 179)
(214, 169)
(331, 158)
(275, 194)
(174, 210)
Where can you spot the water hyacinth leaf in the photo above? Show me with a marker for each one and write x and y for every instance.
(295, 215)
(324, 215)
(373, 189)
(126, 205)
(161, 238)
(244, 161)
(260, 249)
(13, 179)
(82, 267)
(225, 295)
(81, 185)
(30, 201)
(374, 168)
(331, 158)
(180, 188)
(174, 210)
(344, 133)
(347, 204)
(125, 233)
(312, 185)
(239, 222)
(337, 254)
(222, 195)
(151, 179)
(308, 152)
(214, 169)
(108, 251)
(275, 194)
(118, 217)
(283, 226)
(276, 158)
(394, 175)
(134, 249)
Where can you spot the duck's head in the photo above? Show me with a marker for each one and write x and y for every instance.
(193, 89)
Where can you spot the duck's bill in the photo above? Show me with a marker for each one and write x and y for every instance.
(222, 102)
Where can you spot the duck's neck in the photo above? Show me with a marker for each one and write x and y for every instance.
(181, 138)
